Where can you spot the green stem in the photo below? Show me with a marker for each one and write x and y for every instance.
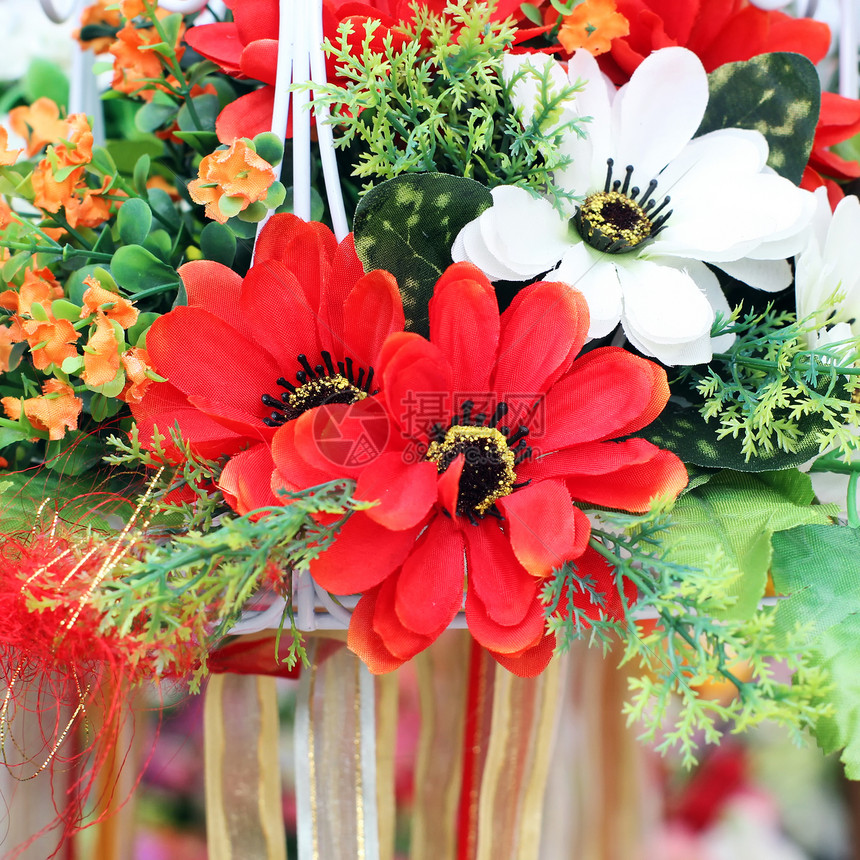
(765, 364)
(153, 291)
(64, 251)
(853, 517)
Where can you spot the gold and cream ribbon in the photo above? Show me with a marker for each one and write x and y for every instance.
(244, 819)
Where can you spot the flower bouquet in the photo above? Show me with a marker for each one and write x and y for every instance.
(532, 319)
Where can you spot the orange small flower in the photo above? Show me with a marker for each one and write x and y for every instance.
(39, 124)
(123, 311)
(55, 410)
(234, 172)
(50, 195)
(7, 156)
(77, 145)
(7, 341)
(99, 13)
(132, 8)
(135, 361)
(134, 64)
(58, 337)
(593, 25)
(101, 354)
(89, 209)
(40, 286)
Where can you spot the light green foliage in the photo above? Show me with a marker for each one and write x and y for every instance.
(687, 647)
(439, 103)
(770, 391)
(187, 592)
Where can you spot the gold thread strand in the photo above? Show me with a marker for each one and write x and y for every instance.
(44, 568)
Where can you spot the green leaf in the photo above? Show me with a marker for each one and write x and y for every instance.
(218, 243)
(103, 161)
(65, 310)
(164, 208)
(74, 454)
(160, 244)
(532, 13)
(10, 435)
(269, 147)
(733, 517)
(682, 429)
(44, 79)
(203, 142)
(155, 115)
(128, 153)
(207, 108)
(134, 220)
(778, 94)
(84, 501)
(817, 567)
(136, 269)
(141, 173)
(407, 226)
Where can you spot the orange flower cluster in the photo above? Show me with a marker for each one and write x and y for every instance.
(59, 180)
(237, 174)
(593, 25)
(104, 13)
(136, 67)
(56, 410)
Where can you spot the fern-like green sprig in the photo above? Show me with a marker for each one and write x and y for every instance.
(763, 387)
(438, 102)
(686, 646)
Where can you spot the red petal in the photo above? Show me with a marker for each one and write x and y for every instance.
(246, 116)
(247, 478)
(260, 60)
(405, 491)
(401, 641)
(202, 355)
(449, 485)
(464, 324)
(371, 312)
(530, 662)
(293, 470)
(608, 393)
(362, 555)
(542, 330)
(215, 288)
(416, 381)
(218, 42)
(501, 638)
(543, 526)
(430, 585)
(505, 587)
(255, 19)
(365, 642)
(839, 119)
(234, 418)
(285, 318)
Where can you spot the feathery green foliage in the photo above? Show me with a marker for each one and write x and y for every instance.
(439, 104)
(686, 646)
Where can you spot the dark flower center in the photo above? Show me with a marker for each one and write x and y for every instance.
(490, 452)
(614, 221)
(318, 386)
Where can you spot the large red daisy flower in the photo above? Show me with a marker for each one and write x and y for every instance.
(495, 430)
(304, 327)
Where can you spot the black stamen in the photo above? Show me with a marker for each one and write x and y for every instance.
(370, 372)
(493, 511)
(320, 371)
(360, 378)
(326, 356)
(648, 192)
(522, 484)
(504, 429)
(341, 368)
(626, 185)
(349, 375)
(466, 410)
(268, 400)
(499, 413)
(608, 185)
(288, 385)
(302, 377)
(525, 454)
(665, 203)
(303, 361)
(479, 419)
(472, 518)
(522, 432)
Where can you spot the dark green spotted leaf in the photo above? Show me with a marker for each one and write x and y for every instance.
(407, 226)
(778, 94)
(682, 429)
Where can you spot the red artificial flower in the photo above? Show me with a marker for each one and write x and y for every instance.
(718, 31)
(304, 327)
(493, 430)
(247, 48)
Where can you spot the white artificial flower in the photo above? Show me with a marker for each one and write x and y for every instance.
(827, 278)
(656, 205)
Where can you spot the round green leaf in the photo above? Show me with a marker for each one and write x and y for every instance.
(134, 220)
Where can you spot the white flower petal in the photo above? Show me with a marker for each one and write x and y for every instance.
(469, 246)
(768, 275)
(657, 113)
(594, 275)
(665, 314)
